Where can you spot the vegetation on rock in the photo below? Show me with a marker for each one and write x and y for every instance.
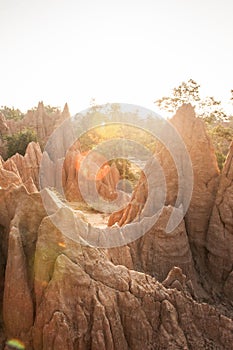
(18, 142)
(11, 113)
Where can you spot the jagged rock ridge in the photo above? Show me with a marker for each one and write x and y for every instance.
(60, 293)
(205, 182)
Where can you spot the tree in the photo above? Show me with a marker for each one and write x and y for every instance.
(184, 93)
(11, 113)
(18, 142)
(211, 111)
(51, 109)
(207, 108)
(221, 136)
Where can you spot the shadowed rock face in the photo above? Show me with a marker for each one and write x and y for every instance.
(76, 298)
(21, 214)
(220, 232)
(62, 293)
(205, 181)
(157, 252)
(22, 169)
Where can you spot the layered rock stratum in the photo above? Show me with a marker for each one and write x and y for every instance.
(161, 291)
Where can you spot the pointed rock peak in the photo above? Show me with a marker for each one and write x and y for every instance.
(33, 147)
(40, 106)
(66, 112)
(186, 107)
(187, 123)
(185, 111)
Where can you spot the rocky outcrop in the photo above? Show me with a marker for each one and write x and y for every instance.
(157, 252)
(70, 179)
(205, 173)
(99, 313)
(74, 177)
(134, 208)
(59, 291)
(220, 232)
(20, 217)
(206, 177)
(17, 295)
(22, 169)
(25, 170)
(85, 301)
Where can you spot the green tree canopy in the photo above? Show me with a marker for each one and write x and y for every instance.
(11, 113)
(18, 142)
(207, 108)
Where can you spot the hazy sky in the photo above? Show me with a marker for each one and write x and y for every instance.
(115, 51)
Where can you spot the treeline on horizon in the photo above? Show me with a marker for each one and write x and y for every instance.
(218, 122)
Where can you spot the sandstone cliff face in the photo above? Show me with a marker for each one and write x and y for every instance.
(156, 252)
(81, 300)
(106, 178)
(60, 292)
(206, 177)
(220, 232)
(205, 181)
(20, 216)
(92, 303)
(22, 169)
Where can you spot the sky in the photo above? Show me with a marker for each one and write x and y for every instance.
(124, 51)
